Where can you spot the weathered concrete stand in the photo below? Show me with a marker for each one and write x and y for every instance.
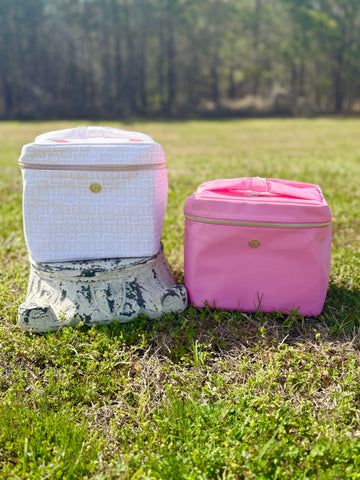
(99, 291)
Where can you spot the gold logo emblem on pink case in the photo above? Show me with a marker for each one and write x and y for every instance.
(254, 243)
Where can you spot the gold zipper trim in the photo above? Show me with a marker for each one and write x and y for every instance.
(257, 224)
(98, 168)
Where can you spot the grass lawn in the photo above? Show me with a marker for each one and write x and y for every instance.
(205, 394)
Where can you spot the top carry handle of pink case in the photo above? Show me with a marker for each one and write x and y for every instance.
(262, 187)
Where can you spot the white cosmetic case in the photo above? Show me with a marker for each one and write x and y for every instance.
(93, 192)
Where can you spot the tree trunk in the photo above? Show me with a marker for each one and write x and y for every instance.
(256, 43)
(118, 60)
(106, 70)
(338, 83)
(215, 84)
(232, 88)
(142, 71)
(7, 96)
(293, 95)
(170, 67)
(161, 69)
(130, 83)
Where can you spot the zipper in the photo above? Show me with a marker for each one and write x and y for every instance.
(256, 224)
(108, 168)
(60, 143)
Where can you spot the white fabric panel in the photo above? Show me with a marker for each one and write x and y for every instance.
(75, 215)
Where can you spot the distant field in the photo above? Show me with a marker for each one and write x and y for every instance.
(205, 394)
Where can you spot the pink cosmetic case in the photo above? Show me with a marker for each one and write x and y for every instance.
(257, 244)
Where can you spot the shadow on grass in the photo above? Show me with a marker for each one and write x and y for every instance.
(341, 313)
(218, 331)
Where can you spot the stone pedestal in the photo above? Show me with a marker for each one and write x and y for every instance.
(99, 291)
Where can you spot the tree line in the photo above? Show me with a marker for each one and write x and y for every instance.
(114, 58)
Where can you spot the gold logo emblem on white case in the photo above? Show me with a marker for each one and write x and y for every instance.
(95, 187)
(254, 243)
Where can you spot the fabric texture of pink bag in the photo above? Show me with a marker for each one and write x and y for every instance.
(257, 244)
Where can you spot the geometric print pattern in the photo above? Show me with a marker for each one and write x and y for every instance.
(78, 215)
(64, 220)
